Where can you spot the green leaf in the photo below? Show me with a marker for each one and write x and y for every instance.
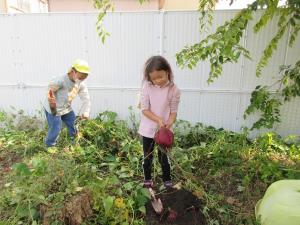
(114, 180)
(142, 196)
(39, 165)
(142, 209)
(293, 22)
(108, 203)
(145, 192)
(128, 186)
(21, 169)
(23, 211)
(124, 223)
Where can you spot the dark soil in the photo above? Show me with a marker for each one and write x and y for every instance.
(6, 161)
(187, 206)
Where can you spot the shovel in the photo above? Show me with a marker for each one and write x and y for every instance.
(156, 203)
(53, 106)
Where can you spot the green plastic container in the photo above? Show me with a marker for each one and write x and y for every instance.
(280, 204)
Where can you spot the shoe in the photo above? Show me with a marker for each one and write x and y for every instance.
(168, 184)
(148, 184)
(52, 150)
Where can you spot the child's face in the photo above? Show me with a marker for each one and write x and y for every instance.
(79, 76)
(159, 78)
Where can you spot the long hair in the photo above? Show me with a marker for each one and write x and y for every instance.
(157, 63)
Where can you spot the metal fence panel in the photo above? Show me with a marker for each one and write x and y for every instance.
(36, 47)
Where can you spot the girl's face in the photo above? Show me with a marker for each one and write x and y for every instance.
(159, 78)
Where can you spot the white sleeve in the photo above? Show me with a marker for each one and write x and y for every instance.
(86, 100)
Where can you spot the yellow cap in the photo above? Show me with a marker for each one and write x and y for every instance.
(81, 66)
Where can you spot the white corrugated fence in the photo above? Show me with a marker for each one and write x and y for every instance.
(36, 47)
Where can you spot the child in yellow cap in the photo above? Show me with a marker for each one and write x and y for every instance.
(61, 92)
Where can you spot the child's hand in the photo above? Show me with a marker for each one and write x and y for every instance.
(83, 117)
(51, 99)
(169, 125)
(161, 123)
(171, 120)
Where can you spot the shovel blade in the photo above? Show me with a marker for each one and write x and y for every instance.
(156, 203)
(157, 206)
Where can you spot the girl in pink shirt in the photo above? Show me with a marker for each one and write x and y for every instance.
(159, 103)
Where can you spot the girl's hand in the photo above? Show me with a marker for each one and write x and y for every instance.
(169, 125)
(161, 123)
(171, 120)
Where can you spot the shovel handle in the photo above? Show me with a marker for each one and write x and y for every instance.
(152, 193)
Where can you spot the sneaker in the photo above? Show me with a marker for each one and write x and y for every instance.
(52, 149)
(168, 184)
(148, 183)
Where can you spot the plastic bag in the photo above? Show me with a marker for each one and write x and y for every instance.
(280, 204)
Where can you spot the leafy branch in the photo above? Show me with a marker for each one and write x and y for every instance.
(221, 47)
(288, 18)
(268, 104)
(206, 8)
(224, 46)
(104, 6)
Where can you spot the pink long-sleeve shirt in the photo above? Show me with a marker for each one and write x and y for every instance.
(162, 101)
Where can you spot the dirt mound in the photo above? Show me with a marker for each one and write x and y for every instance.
(78, 209)
(75, 211)
(184, 204)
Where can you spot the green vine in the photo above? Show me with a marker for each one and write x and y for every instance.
(224, 46)
(268, 104)
(104, 6)
(219, 48)
(206, 8)
(291, 81)
(262, 100)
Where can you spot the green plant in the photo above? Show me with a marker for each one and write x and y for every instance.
(228, 172)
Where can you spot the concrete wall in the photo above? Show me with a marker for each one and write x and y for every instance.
(180, 4)
(15, 6)
(87, 5)
(3, 6)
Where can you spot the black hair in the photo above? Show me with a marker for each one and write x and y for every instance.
(157, 63)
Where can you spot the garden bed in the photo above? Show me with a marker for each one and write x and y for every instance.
(222, 175)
